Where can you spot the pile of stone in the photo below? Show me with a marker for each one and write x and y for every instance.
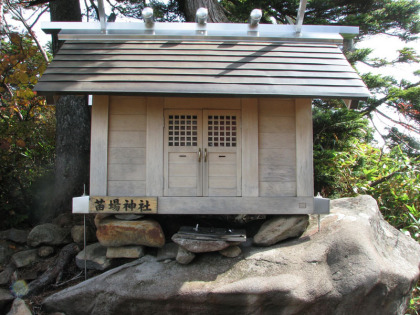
(25, 255)
(192, 241)
(120, 236)
(355, 264)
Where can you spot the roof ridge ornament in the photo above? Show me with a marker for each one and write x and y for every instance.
(255, 17)
(147, 15)
(201, 16)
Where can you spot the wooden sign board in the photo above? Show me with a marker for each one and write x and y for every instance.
(109, 204)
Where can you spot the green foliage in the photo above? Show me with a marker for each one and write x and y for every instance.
(397, 17)
(392, 178)
(27, 128)
(334, 131)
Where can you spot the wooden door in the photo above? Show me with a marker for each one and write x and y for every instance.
(183, 153)
(222, 153)
(202, 153)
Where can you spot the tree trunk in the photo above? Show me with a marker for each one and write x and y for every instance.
(72, 129)
(72, 150)
(216, 12)
(67, 253)
(63, 11)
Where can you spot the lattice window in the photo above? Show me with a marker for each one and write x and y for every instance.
(182, 130)
(222, 131)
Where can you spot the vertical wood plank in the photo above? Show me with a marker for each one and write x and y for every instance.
(154, 146)
(249, 147)
(304, 148)
(99, 146)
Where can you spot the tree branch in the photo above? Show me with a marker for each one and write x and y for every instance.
(409, 127)
(39, 16)
(384, 179)
(377, 130)
(95, 8)
(18, 15)
(48, 277)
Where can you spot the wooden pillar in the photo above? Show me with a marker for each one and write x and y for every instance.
(99, 146)
(304, 148)
(250, 147)
(154, 146)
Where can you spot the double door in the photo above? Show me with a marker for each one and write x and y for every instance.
(202, 153)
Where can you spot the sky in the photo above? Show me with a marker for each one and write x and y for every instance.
(386, 46)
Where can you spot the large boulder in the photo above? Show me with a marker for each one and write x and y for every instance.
(356, 264)
(48, 234)
(112, 232)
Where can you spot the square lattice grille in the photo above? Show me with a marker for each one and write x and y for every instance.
(182, 130)
(221, 131)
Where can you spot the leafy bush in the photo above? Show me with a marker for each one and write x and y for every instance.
(27, 128)
(392, 178)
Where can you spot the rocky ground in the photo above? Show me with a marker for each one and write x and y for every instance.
(357, 261)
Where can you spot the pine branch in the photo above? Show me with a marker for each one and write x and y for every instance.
(405, 125)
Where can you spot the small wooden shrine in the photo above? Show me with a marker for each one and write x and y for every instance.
(197, 118)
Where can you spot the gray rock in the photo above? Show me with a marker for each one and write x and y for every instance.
(129, 251)
(48, 234)
(78, 234)
(5, 299)
(231, 251)
(4, 254)
(95, 257)
(184, 256)
(19, 307)
(199, 246)
(280, 228)
(356, 264)
(25, 258)
(14, 235)
(45, 251)
(168, 251)
(6, 274)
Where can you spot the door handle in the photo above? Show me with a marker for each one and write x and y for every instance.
(199, 155)
(205, 155)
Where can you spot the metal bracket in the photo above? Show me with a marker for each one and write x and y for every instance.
(300, 16)
(102, 16)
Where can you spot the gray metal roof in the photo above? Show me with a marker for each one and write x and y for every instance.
(202, 68)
